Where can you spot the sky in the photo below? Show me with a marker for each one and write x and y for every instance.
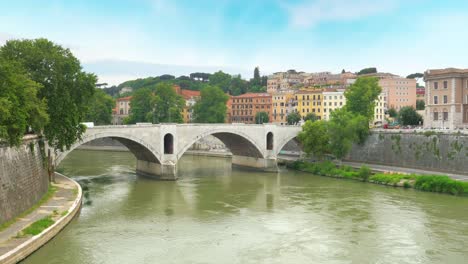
(121, 40)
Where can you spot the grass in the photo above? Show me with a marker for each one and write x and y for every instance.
(50, 192)
(427, 183)
(37, 227)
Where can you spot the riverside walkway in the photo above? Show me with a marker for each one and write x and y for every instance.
(62, 207)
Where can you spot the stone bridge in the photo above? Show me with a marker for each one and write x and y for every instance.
(157, 148)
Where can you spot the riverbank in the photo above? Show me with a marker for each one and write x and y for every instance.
(32, 231)
(422, 182)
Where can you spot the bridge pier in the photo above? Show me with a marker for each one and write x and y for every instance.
(268, 165)
(167, 171)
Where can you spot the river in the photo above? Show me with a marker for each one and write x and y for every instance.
(213, 214)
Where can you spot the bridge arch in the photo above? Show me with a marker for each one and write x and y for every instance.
(285, 141)
(240, 144)
(140, 149)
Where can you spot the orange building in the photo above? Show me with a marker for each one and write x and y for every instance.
(246, 106)
(121, 110)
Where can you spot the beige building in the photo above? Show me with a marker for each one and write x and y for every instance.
(400, 91)
(283, 104)
(446, 98)
(380, 108)
(121, 110)
(332, 99)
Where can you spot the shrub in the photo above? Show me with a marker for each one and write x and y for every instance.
(364, 173)
(440, 184)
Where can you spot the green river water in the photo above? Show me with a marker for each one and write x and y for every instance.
(213, 214)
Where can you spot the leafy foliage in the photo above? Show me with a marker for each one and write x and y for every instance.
(415, 75)
(166, 106)
(99, 108)
(66, 88)
(20, 107)
(420, 105)
(262, 117)
(211, 108)
(293, 118)
(392, 112)
(362, 95)
(311, 116)
(315, 138)
(367, 71)
(409, 117)
(140, 105)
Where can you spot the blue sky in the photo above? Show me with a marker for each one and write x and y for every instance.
(119, 40)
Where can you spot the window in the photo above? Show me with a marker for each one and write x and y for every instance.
(445, 84)
(445, 116)
(436, 85)
(436, 116)
(445, 99)
(436, 100)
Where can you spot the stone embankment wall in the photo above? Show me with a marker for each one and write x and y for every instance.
(426, 150)
(23, 178)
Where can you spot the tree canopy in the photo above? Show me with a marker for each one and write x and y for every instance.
(315, 138)
(20, 107)
(392, 112)
(141, 105)
(65, 86)
(415, 75)
(262, 117)
(362, 95)
(293, 118)
(367, 71)
(311, 116)
(211, 108)
(420, 105)
(166, 105)
(99, 109)
(409, 117)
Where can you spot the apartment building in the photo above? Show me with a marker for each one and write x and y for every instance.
(380, 109)
(309, 101)
(282, 81)
(400, 91)
(283, 103)
(332, 99)
(446, 98)
(246, 106)
(121, 110)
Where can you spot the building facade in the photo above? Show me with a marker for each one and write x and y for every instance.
(332, 99)
(121, 110)
(380, 109)
(283, 103)
(446, 98)
(400, 92)
(309, 101)
(246, 106)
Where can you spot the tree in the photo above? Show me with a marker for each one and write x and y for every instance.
(344, 129)
(66, 87)
(315, 139)
(261, 118)
(420, 105)
(257, 89)
(415, 76)
(311, 116)
(362, 95)
(238, 86)
(293, 118)
(367, 71)
(166, 105)
(343, 71)
(409, 117)
(141, 105)
(220, 79)
(256, 81)
(264, 81)
(99, 108)
(20, 107)
(392, 112)
(211, 108)
(166, 77)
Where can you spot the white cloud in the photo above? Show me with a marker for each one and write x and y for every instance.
(310, 13)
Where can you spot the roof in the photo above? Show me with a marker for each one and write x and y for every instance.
(127, 98)
(248, 95)
(189, 93)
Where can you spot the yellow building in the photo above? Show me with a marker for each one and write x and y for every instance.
(310, 101)
(283, 104)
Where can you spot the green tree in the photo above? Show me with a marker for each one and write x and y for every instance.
(211, 108)
(409, 117)
(420, 105)
(66, 87)
(362, 95)
(140, 106)
(311, 116)
(392, 112)
(315, 139)
(220, 79)
(20, 107)
(293, 118)
(238, 86)
(262, 117)
(100, 108)
(367, 71)
(415, 76)
(257, 89)
(166, 105)
(256, 81)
